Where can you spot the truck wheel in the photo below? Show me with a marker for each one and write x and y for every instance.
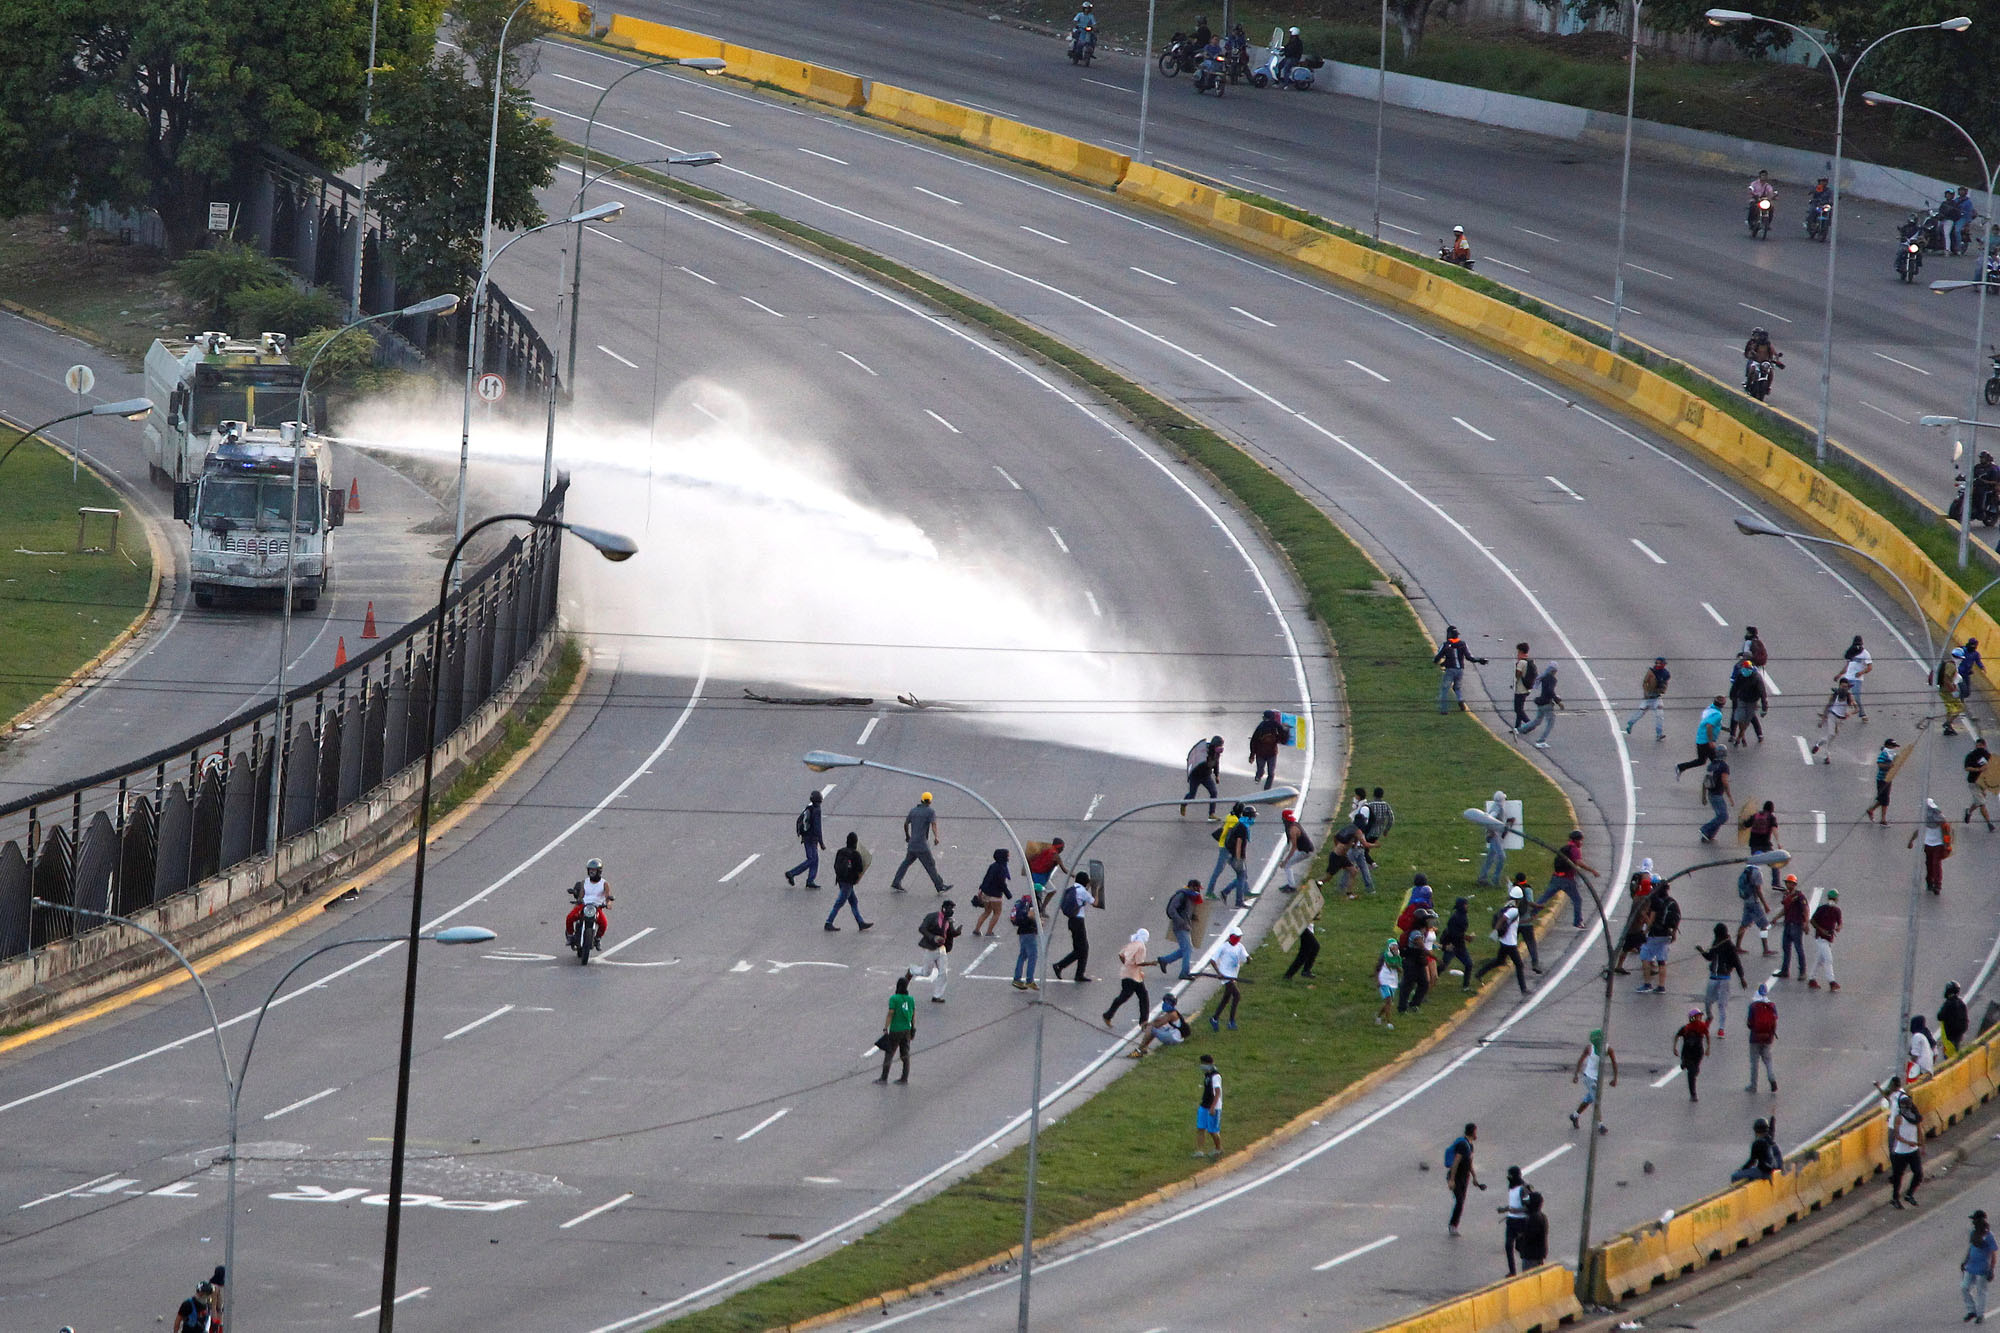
(307, 603)
(204, 598)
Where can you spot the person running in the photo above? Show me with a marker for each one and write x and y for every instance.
(1825, 922)
(1977, 1268)
(1077, 899)
(1168, 1027)
(1887, 760)
(1417, 962)
(1518, 893)
(1494, 865)
(1567, 863)
(1976, 761)
(1839, 706)
(849, 865)
(1691, 1045)
(1595, 1052)
(993, 893)
(1936, 833)
(1266, 738)
(1858, 664)
(1388, 979)
(809, 829)
(1228, 966)
(1634, 939)
(1762, 1023)
(1715, 789)
(1547, 704)
(1132, 976)
(1507, 931)
(1951, 687)
(1653, 698)
(1756, 911)
(1459, 1173)
(1748, 702)
(1044, 859)
(1452, 944)
(1722, 960)
(1525, 673)
(920, 833)
(1707, 731)
(1381, 817)
(1181, 908)
(1452, 656)
(1204, 765)
(898, 1029)
(1792, 910)
(1663, 927)
(1208, 1113)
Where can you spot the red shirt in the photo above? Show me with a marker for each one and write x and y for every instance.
(1044, 861)
(1826, 921)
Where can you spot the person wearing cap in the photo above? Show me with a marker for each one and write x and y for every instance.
(1691, 1044)
(1265, 739)
(1228, 965)
(1762, 1023)
(1077, 899)
(1234, 851)
(1298, 848)
(1825, 922)
(1953, 1020)
(1707, 731)
(1936, 833)
(1452, 657)
(1495, 863)
(1028, 936)
(1792, 909)
(1168, 1027)
(920, 832)
(1181, 907)
(1977, 1268)
(1520, 894)
(1461, 248)
(198, 1312)
(1204, 765)
(1652, 698)
(1887, 760)
(1132, 976)
(1568, 861)
(1587, 1069)
(1507, 934)
(1765, 1160)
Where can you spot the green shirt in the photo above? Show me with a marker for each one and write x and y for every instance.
(902, 1013)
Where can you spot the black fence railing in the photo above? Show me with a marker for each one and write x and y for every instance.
(127, 838)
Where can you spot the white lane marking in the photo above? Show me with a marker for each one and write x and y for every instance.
(741, 866)
(859, 362)
(1643, 269)
(1144, 273)
(1407, 231)
(1474, 429)
(692, 274)
(1091, 597)
(1493, 259)
(839, 162)
(706, 120)
(1714, 615)
(601, 1208)
(942, 422)
(1114, 87)
(1667, 1077)
(1608, 301)
(1060, 543)
(824, 1180)
(1269, 157)
(1544, 235)
(827, 790)
(766, 1123)
(1004, 477)
(1363, 369)
(1096, 800)
(696, 405)
(1762, 311)
(76, 1189)
(530, 309)
(598, 231)
(1545, 1159)
(479, 1022)
(1649, 552)
(584, 82)
(935, 195)
(630, 940)
(867, 731)
(1904, 364)
(1805, 750)
(766, 309)
(615, 357)
(1259, 318)
(1769, 684)
(977, 961)
(1044, 235)
(1264, 185)
(1559, 486)
(1340, 1259)
(1420, 199)
(303, 1101)
(1819, 825)
(409, 1295)
(1883, 410)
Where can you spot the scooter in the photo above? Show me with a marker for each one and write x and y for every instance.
(1909, 250)
(1819, 221)
(1213, 76)
(1758, 216)
(1444, 253)
(1992, 377)
(1082, 45)
(1985, 502)
(1757, 376)
(584, 940)
(1298, 78)
(1182, 56)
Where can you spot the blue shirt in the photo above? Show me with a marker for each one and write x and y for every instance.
(1883, 760)
(1979, 1255)
(1710, 724)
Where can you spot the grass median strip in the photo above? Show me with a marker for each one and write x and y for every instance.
(516, 731)
(1300, 1041)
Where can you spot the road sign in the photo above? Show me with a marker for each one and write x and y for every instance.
(79, 379)
(492, 388)
(218, 216)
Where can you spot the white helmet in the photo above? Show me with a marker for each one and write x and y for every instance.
(1292, 32)
(1458, 231)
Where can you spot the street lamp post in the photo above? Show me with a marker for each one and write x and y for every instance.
(232, 1079)
(476, 333)
(822, 760)
(361, 167)
(1381, 100)
(1145, 82)
(612, 546)
(1979, 320)
(132, 409)
(1625, 181)
(1487, 822)
(1841, 83)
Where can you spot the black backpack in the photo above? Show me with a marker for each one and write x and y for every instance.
(927, 931)
(1023, 912)
(803, 824)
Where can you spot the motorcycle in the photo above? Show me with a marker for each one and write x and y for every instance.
(1757, 376)
(1819, 221)
(1237, 59)
(1935, 232)
(1992, 377)
(584, 939)
(1910, 249)
(1298, 78)
(1082, 45)
(1182, 56)
(1758, 216)
(1985, 502)
(1212, 76)
(1444, 253)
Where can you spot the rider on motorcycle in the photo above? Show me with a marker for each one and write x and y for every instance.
(1236, 46)
(1084, 26)
(1461, 248)
(1985, 475)
(594, 891)
(1203, 34)
(1822, 194)
(1291, 53)
(1758, 348)
(1761, 188)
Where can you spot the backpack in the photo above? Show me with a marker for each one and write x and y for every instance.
(1072, 901)
(1305, 841)
(1198, 756)
(1451, 1153)
(1763, 1020)
(1023, 911)
(1746, 883)
(1759, 655)
(803, 824)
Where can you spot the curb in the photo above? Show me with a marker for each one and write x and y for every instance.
(28, 312)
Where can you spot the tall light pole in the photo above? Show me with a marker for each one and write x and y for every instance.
(1145, 82)
(232, 1079)
(1625, 180)
(1841, 83)
(611, 546)
(436, 305)
(367, 118)
(1979, 320)
(132, 409)
(475, 336)
(819, 761)
(1381, 99)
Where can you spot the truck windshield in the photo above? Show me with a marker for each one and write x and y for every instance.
(264, 396)
(259, 502)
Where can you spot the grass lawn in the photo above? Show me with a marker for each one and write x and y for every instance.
(58, 608)
(119, 292)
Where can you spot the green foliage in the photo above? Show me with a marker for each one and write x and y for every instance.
(209, 278)
(281, 307)
(343, 364)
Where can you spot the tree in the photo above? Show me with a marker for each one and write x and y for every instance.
(1411, 16)
(431, 128)
(1692, 16)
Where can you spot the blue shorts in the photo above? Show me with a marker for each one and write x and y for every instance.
(1753, 915)
(1207, 1121)
(1654, 950)
(1388, 992)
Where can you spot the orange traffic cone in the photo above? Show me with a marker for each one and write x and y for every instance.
(368, 625)
(354, 496)
(340, 652)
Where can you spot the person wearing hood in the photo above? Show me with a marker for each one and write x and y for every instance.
(1923, 1050)
(993, 892)
(1588, 1068)
(1204, 765)
(1507, 933)
(1132, 976)
(1494, 867)
(1452, 657)
(1952, 1020)
(1761, 1022)
(1765, 1158)
(1452, 943)
(849, 865)
(1419, 901)
(1265, 738)
(1388, 979)
(1936, 833)
(1415, 946)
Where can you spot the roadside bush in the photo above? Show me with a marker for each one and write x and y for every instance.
(280, 307)
(209, 278)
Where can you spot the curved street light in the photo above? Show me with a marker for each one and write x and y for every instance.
(132, 409)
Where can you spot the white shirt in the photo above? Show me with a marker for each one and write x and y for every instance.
(595, 891)
(1517, 1201)
(1229, 959)
(1510, 925)
(1857, 666)
(1904, 1135)
(1922, 1054)
(1590, 1061)
(1933, 837)
(1386, 975)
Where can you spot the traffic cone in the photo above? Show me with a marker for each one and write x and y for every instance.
(368, 625)
(340, 652)
(354, 496)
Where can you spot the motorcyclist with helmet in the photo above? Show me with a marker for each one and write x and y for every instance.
(593, 891)
(1985, 479)
(1290, 54)
(1203, 34)
(1758, 349)
(1461, 248)
(1083, 29)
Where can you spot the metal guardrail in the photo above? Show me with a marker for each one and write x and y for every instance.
(135, 835)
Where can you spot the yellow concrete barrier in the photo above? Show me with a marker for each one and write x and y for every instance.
(1538, 1301)
(916, 111)
(657, 39)
(568, 15)
(996, 134)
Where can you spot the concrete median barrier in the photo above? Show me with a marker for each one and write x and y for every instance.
(568, 16)
(1539, 1300)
